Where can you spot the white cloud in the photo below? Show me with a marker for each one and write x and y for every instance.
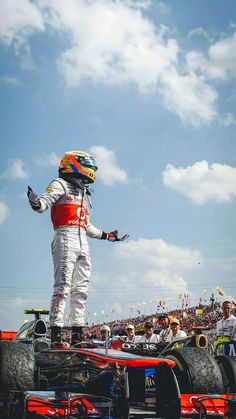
(4, 210)
(157, 254)
(135, 52)
(198, 31)
(19, 301)
(202, 183)
(15, 170)
(112, 42)
(163, 7)
(190, 97)
(108, 169)
(8, 79)
(228, 119)
(138, 3)
(220, 62)
(146, 269)
(18, 21)
(51, 159)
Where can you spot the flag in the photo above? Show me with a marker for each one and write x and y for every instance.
(199, 312)
(220, 292)
(205, 290)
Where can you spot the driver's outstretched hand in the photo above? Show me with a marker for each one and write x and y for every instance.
(113, 236)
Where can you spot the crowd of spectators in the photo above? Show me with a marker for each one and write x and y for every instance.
(203, 315)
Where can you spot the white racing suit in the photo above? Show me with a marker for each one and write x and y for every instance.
(70, 210)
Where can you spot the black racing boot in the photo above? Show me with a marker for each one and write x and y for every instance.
(77, 335)
(56, 338)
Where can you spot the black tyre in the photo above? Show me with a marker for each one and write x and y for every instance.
(196, 371)
(227, 366)
(17, 367)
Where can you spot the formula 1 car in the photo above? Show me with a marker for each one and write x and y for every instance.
(90, 382)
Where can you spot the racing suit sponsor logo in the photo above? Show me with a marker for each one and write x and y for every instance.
(50, 190)
(67, 214)
(81, 213)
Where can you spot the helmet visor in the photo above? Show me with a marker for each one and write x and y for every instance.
(87, 161)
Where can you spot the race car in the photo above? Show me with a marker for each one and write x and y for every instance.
(91, 382)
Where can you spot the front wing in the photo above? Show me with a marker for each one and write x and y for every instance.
(72, 405)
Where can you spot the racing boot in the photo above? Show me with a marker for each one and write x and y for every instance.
(77, 335)
(56, 338)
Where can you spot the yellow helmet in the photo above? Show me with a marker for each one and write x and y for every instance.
(80, 164)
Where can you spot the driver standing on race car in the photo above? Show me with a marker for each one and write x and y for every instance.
(68, 196)
(227, 325)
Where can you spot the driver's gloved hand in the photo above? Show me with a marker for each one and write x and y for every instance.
(33, 199)
(113, 236)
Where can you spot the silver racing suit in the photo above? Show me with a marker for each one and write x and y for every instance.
(70, 210)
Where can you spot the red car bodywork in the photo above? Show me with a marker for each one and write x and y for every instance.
(205, 404)
(6, 335)
(62, 408)
(192, 405)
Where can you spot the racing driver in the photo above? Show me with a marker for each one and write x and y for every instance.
(68, 196)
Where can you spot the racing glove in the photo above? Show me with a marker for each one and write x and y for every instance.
(113, 236)
(33, 199)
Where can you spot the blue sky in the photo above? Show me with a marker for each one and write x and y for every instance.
(148, 87)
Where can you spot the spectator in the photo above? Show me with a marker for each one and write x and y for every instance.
(164, 322)
(188, 316)
(105, 331)
(149, 335)
(175, 331)
(227, 325)
(131, 338)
